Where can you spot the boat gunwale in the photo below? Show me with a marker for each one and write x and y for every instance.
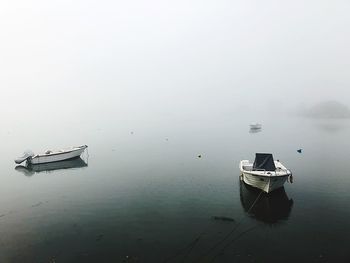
(58, 153)
(286, 171)
(266, 175)
(78, 156)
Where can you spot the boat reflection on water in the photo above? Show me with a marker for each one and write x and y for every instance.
(30, 169)
(254, 130)
(271, 208)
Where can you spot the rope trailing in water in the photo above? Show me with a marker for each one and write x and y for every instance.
(244, 232)
(229, 233)
(189, 247)
(232, 241)
(196, 240)
(232, 231)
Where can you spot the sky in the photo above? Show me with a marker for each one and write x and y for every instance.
(170, 59)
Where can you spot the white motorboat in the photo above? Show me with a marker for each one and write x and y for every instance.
(51, 156)
(265, 173)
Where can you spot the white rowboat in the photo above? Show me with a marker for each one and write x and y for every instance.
(265, 173)
(51, 156)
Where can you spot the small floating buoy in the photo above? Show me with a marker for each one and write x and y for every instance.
(199, 156)
(299, 150)
(290, 179)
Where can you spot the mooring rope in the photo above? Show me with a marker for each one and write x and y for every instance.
(231, 232)
(232, 241)
(244, 232)
(191, 245)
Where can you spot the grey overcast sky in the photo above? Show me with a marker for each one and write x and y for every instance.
(143, 59)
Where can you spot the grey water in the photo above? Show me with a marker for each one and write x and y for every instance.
(142, 194)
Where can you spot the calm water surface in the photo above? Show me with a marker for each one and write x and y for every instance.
(141, 194)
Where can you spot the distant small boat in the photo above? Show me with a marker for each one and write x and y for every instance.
(265, 173)
(255, 126)
(51, 156)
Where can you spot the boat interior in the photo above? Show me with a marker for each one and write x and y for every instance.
(248, 167)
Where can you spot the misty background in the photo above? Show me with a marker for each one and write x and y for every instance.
(152, 85)
(150, 60)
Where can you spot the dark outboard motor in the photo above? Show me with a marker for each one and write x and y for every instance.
(26, 156)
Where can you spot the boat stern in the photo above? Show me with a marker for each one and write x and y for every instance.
(242, 163)
(27, 155)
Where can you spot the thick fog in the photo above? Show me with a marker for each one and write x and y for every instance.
(170, 59)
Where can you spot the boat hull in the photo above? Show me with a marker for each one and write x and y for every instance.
(265, 183)
(56, 157)
(30, 170)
